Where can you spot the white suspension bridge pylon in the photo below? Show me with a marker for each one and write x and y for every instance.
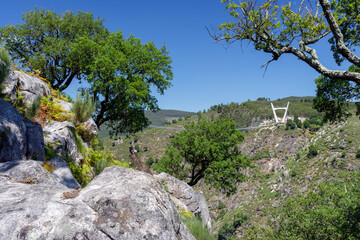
(280, 108)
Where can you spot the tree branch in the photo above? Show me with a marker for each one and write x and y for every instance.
(339, 38)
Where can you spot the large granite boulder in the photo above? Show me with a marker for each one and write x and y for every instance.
(62, 138)
(31, 87)
(19, 137)
(118, 204)
(62, 172)
(185, 197)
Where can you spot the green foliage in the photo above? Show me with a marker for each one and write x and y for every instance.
(358, 153)
(197, 229)
(298, 122)
(122, 75)
(150, 161)
(290, 125)
(228, 229)
(313, 151)
(333, 97)
(4, 64)
(331, 211)
(82, 108)
(53, 110)
(277, 28)
(206, 150)
(174, 121)
(50, 42)
(314, 123)
(264, 153)
(32, 110)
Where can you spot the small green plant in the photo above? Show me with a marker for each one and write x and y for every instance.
(313, 151)
(358, 154)
(174, 121)
(197, 229)
(150, 161)
(83, 108)
(228, 229)
(33, 109)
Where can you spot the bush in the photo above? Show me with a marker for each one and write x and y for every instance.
(4, 64)
(174, 121)
(150, 161)
(313, 151)
(228, 228)
(298, 122)
(358, 153)
(290, 124)
(83, 108)
(332, 211)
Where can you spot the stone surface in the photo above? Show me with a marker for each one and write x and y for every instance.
(91, 125)
(62, 173)
(60, 135)
(185, 197)
(19, 137)
(118, 204)
(30, 86)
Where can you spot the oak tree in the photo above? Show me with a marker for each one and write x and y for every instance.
(206, 150)
(46, 41)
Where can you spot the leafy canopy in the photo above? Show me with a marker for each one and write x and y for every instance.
(206, 150)
(122, 73)
(47, 41)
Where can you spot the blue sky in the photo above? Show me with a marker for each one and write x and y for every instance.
(205, 73)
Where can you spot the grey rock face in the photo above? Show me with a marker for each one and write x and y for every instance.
(91, 125)
(118, 204)
(185, 197)
(30, 86)
(19, 137)
(62, 173)
(62, 138)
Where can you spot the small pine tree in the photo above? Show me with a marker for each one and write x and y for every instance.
(83, 108)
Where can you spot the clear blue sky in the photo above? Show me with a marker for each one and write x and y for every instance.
(205, 73)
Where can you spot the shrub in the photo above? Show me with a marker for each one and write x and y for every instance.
(290, 124)
(83, 108)
(358, 153)
(332, 211)
(313, 151)
(174, 121)
(150, 161)
(4, 64)
(298, 122)
(228, 228)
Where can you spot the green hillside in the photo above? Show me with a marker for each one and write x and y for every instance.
(156, 118)
(287, 163)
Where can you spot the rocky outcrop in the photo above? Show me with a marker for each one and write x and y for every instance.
(61, 137)
(185, 197)
(19, 137)
(62, 172)
(118, 204)
(31, 87)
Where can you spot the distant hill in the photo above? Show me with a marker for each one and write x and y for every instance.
(156, 119)
(252, 113)
(160, 117)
